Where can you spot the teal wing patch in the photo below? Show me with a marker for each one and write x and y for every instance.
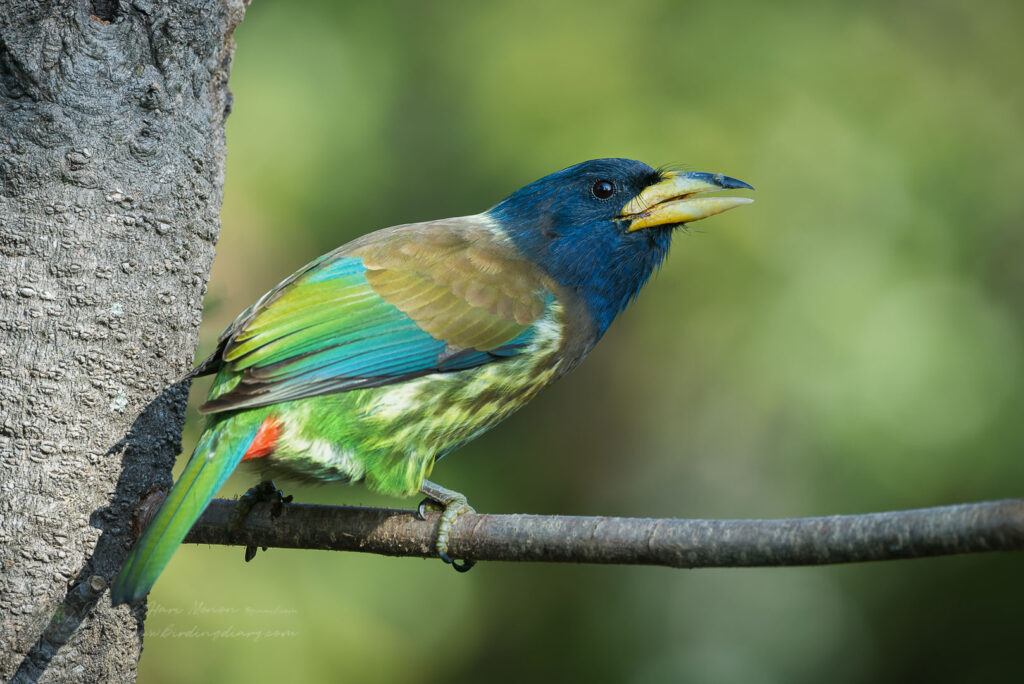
(408, 303)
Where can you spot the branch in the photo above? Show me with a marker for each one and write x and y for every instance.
(940, 531)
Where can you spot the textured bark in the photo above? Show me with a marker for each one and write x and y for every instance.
(111, 167)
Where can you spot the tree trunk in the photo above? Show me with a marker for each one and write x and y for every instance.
(111, 168)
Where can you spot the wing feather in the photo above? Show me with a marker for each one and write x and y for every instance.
(403, 302)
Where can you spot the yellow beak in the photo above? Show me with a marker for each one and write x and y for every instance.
(671, 200)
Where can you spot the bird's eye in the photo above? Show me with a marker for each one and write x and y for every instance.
(603, 189)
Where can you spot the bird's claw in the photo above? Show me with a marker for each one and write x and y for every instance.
(452, 505)
(464, 566)
(427, 504)
(265, 491)
(279, 503)
(250, 551)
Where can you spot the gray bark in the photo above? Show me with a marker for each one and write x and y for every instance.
(921, 533)
(111, 167)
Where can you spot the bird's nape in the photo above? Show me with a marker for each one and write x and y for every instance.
(602, 227)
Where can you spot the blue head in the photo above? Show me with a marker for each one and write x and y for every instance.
(602, 227)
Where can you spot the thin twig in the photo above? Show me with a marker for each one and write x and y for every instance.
(940, 531)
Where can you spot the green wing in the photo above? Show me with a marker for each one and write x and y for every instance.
(396, 304)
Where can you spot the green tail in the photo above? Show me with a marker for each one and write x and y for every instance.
(219, 450)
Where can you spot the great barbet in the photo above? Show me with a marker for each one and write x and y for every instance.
(375, 360)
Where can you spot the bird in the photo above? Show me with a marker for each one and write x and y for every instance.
(372, 362)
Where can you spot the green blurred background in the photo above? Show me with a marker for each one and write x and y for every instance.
(850, 343)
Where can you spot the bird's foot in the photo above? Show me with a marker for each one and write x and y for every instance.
(264, 492)
(451, 504)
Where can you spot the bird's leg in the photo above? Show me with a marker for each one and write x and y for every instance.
(452, 505)
(265, 491)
